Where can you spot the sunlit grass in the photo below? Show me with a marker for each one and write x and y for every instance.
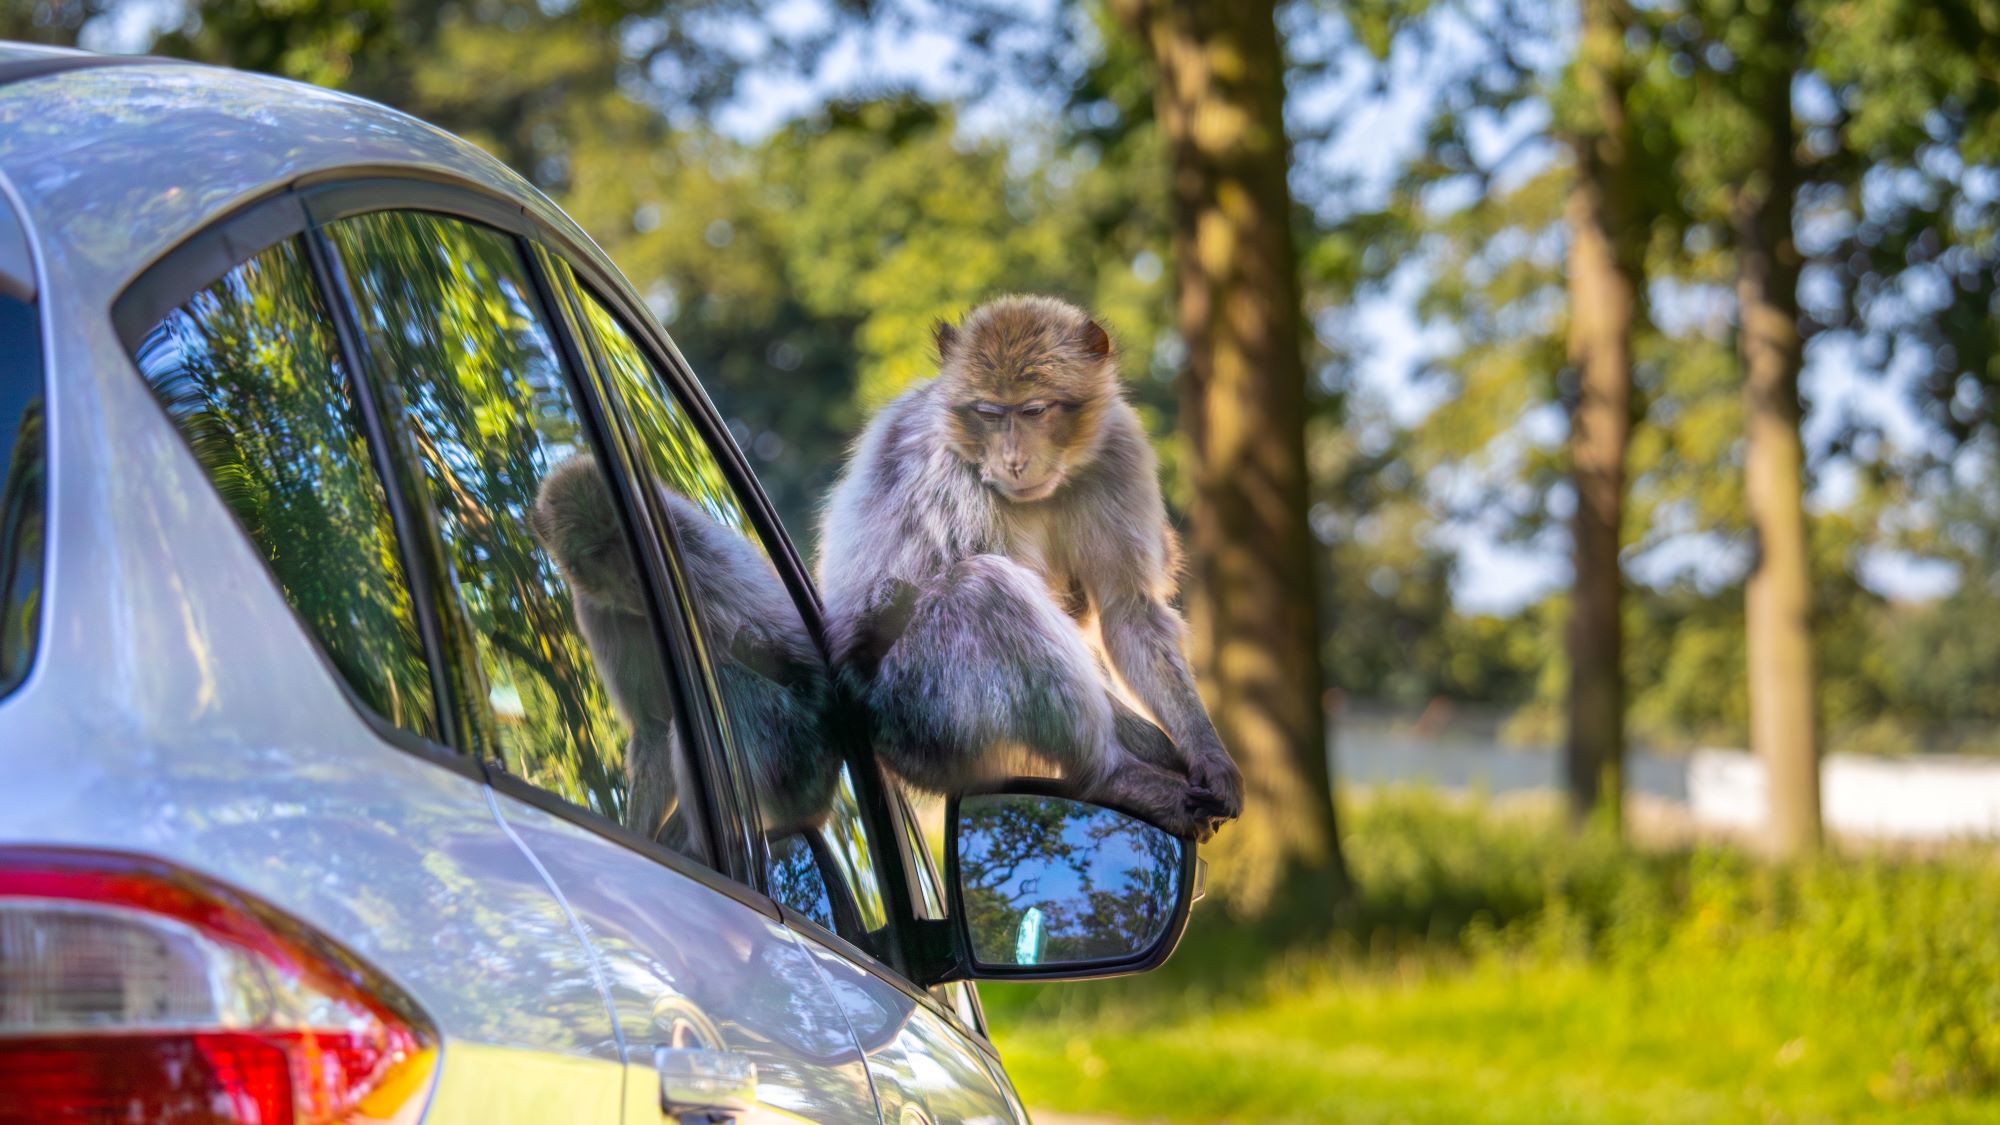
(1629, 987)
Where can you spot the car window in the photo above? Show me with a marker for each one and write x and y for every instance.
(538, 548)
(22, 482)
(920, 820)
(249, 371)
(767, 669)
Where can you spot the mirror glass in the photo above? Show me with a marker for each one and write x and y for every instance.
(1051, 881)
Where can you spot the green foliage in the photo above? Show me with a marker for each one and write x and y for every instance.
(801, 274)
(1497, 967)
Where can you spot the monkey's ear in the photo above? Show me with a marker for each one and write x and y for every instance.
(945, 335)
(1094, 340)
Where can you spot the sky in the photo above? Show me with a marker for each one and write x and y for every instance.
(1381, 130)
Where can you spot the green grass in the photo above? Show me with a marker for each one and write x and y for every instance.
(1493, 968)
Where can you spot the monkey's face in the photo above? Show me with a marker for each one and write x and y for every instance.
(1024, 449)
(1028, 379)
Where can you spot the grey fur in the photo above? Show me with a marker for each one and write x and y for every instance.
(770, 675)
(952, 605)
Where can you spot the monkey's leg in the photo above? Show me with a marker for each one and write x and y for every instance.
(1144, 740)
(988, 660)
(651, 779)
(1142, 637)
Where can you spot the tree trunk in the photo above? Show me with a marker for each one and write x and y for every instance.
(1252, 598)
(1606, 263)
(1778, 599)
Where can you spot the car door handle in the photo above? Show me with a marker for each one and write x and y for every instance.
(705, 1085)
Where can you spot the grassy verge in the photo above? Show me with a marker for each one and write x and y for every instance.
(1494, 968)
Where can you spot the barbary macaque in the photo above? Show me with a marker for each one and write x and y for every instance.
(770, 674)
(998, 569)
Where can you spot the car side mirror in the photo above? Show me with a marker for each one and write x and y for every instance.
(1048, 887)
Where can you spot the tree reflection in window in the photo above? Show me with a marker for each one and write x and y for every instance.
(248, 371)
(770, 674)
(452, 322)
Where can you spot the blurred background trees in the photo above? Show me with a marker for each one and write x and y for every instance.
(1610, 378)
(1628, 373)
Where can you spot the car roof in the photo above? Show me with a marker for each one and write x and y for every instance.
(113, 161)
(24, 52)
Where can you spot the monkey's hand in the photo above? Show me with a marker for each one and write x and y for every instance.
(884, 627)
(1216, 784)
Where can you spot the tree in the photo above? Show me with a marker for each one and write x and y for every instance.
(1607, 246)
(1252, 602)
(1778, 596)
(1542, 279)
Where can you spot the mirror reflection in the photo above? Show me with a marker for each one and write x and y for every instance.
(1051, 881)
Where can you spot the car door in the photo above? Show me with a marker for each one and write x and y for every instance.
(700, 974)
(926, 1047)
(825, 838)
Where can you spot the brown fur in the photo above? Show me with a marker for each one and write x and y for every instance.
(1027, 351)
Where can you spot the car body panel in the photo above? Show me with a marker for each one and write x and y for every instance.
(677, 952)
(116, 165)
(219, 739)
(924, 1069)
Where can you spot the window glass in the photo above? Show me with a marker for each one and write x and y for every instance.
(538, 548)
(22, 482)
(766, 667)
(249, 371)
(920, 818)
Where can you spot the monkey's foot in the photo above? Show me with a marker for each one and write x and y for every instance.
(1164, 798)
(1214, 776)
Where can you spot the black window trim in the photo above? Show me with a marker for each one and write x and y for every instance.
(745, 843)
(380, 431)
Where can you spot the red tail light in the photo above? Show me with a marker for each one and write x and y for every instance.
(132, 993)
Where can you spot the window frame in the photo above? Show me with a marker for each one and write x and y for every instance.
(297, 210)
(176, 278)
(883, 811)
(685, 391)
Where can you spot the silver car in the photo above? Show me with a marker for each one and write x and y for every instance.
(347, 776)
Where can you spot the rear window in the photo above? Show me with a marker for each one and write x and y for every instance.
(249, 371)
(21, 488)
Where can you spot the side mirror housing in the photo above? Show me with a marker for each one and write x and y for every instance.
(1047, 887)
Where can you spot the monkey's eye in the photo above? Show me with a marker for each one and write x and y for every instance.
(1034, 410)
(990, 410)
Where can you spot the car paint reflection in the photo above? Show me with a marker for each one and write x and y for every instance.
(663, 936)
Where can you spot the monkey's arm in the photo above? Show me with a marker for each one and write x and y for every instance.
(1142, 638)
